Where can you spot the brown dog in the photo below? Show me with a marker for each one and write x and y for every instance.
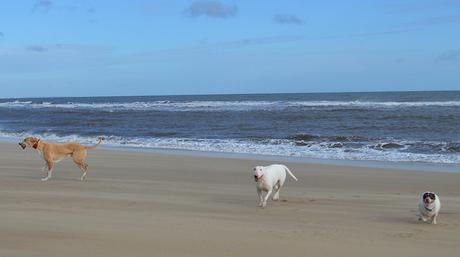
(55, 152)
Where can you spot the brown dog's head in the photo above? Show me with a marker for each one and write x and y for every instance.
(30, 142)
(429, 197)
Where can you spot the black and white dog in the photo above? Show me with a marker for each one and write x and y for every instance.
(429, 206)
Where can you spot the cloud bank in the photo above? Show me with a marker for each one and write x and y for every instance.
(37, 48)
(449, 56)
(287, 19)
(214, 9)
(44, 5)
(425, 6)
(435, 21)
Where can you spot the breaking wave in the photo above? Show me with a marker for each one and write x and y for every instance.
(345, 149)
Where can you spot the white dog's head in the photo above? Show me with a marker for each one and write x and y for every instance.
(258, 172)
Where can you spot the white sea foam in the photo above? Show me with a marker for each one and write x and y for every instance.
(279, 147)
(224, 105)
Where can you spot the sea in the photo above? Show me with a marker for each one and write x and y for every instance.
(381, 126)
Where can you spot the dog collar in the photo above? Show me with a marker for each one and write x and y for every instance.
(36, 144)
(428, 209)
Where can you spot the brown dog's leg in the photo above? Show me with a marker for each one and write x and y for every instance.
(50, 165)
(85, 169)
(83, 166)
(79, 159)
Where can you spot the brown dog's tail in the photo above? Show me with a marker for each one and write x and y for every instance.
(96, 145)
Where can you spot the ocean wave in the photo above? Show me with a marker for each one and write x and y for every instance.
(166, 105)
(311, 137)
(379, 104)
(377, 151)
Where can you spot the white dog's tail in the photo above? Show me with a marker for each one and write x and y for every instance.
(290, 173)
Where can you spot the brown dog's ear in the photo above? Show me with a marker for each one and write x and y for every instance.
(35, 139)
(35, 142)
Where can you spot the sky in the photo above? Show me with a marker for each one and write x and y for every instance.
(107, 47)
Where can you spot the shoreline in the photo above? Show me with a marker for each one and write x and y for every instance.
(416, 166)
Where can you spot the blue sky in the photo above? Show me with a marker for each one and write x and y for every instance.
(140, 47)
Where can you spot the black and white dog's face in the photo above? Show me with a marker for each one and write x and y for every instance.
(429, 198)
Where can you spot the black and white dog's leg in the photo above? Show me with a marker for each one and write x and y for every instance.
(433, 220)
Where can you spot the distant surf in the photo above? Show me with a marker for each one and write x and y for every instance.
(400, 127)
(220, 105)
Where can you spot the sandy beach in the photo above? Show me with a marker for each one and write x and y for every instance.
(153, 204)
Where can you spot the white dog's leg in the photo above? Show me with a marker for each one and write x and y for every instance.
(266, 197)
(261, 197)
(276, 195)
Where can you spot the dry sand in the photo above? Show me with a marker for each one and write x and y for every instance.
(150, 204)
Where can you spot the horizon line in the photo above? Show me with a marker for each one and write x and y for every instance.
(230, 94)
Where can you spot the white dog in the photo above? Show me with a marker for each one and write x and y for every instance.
(270, 178)
(429, 206)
